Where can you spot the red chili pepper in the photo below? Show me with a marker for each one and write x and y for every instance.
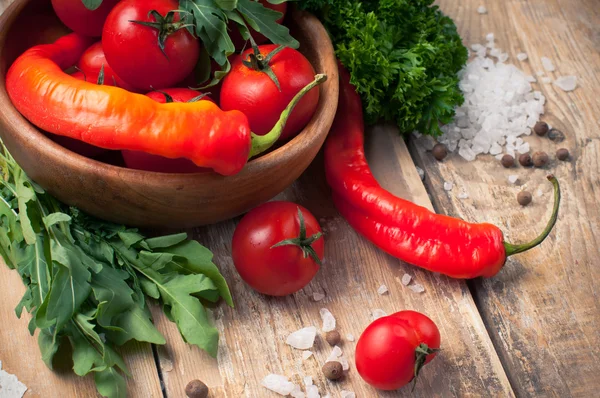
(113, 118)
(403, 229)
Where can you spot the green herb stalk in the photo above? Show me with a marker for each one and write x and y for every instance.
(87, 280)
(403, 56)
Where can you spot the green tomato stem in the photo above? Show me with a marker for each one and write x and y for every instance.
(515, 249)
(261, 143)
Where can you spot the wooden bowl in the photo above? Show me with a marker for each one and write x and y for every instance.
(150, 199)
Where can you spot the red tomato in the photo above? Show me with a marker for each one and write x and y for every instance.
(255, 94)
(133, 50)
(234, 32)
(392, 348)
(282, 270)
(81, 20)
(92, 61)
(145, 161)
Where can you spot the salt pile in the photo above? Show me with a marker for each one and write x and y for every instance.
(499, 103)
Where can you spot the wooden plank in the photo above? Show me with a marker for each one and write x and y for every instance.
(542, 310)
(253, 334)
(20, 354)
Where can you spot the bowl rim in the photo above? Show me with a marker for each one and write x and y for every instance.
(18, 125)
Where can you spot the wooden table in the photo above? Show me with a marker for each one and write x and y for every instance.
(533, 330)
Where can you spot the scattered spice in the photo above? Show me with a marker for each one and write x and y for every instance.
(333, 337)
(196, 389)
(541, 128)
(508, 161)
(333, 370)
(562, 154)
(524, 198)
(439, 152)
(525, 160)
(556, 136)
(540, 159)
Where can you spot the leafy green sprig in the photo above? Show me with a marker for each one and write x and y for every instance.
(87, 280)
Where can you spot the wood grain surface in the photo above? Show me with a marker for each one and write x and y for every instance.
(543, 309)
(253, 334)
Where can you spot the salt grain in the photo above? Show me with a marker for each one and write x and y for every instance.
(539, 192)
(547, 64)
(522, 57)
(531, 79)
(546, 80)
(417, 288)
(421, 173)
(335, 354)
(306, 355)
(382, 289)
(277, 383)
(308, 381)
(312, 392)
(328, 320)
(318, 296)
(463, 195)
(344, 361)
(490, 37)
(297, 392)
(376, 314)
(347, 394)
(513, 179)
(302, 339)
(482, 10)
(350, 337)
(10, 385)
(406, 279)
(448, 186)
(566, 83)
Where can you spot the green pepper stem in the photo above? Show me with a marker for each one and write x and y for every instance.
(515, 249)
(261, 143)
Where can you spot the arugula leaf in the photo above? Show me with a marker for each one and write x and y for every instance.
(109, 287)
(92, 4)
(110, 383)
(48, 346)
(136, 325)
(263, 20)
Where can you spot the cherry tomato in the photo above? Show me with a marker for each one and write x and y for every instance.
(394, 348)
(81, 20)
(145, 161)
(259, 38)
(133, 49)
(281, 270)
(92, 61)
(255, 93)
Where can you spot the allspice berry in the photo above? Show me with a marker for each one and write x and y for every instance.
(556, 136)
(196, 389)
(525, 160)
(562, 154)
(541, 128)
(508, 161)
(333, 337)
(333, 370)
(540, 159)
(524, 198)
(439, 152)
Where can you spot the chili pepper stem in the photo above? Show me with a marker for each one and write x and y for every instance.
(515, 249)
(304, 243)
(261, 143)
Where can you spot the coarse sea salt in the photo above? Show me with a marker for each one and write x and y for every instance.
(318, 296)
(499, 102)
(328, 320)
(421, 173)
(448, 186)
(378, 313)
(302, 339)
(308, 381)
(297, 392)
(417, 288)
(335, 354)
(312, 391)
(382, 290)
(463, 195)
(347, 394)
(566, 83)
(306, 355)
(482, 10)
(350, 337)
(522, 57)
(10, 386)
(406, 279)
(278, 383)
(547, 64)
(513, 179)
(546, 80)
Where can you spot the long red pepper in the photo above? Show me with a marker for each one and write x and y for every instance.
(403, 229)
(113, 118)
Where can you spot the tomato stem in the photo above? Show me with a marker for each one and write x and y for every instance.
(100, 80)
(261, 143)
(260, 63)
(164, 25)
(304, 243)
(515, 249)
(421, 353)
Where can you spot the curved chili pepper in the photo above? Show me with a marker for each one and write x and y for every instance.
(112, 118)
(412, 233)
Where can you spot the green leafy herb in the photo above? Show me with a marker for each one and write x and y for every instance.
(403, 55)
(87, 280)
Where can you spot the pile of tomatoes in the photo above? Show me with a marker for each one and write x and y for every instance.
(145, 47)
